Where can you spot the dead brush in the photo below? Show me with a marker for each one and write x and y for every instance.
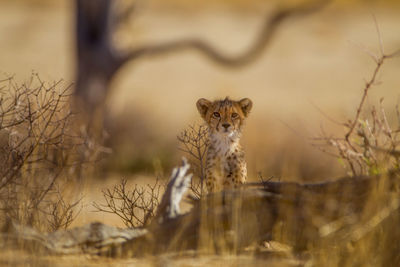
(40, 151)
(194, 142)
(370, 144)
(138, 205)
(372, 149)
(135, 207)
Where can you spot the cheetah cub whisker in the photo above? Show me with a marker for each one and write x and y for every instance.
(225, 163)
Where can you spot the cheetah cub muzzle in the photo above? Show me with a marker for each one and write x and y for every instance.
(225, 163)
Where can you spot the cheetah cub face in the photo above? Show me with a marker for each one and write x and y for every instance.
(225, 163)
(224, 117)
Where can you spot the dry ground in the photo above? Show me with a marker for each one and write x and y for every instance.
(21, 258)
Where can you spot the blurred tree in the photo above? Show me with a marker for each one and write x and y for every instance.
(98, 59)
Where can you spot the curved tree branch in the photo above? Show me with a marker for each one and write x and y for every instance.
(262, 40)
(99, 59)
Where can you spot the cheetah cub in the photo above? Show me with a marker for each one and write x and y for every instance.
(225, 163)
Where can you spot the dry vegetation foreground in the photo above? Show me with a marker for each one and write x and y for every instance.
(313, 62)
(21, 258)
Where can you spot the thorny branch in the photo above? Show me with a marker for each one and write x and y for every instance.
(360, 154)
(379, 62)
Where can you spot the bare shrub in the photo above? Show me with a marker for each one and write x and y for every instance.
(370, 144)
(135, 207)
(60, 214)
(40, 151)
(194, 142)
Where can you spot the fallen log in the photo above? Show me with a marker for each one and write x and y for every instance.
(94, 238)
(304, 216)
(301, 215)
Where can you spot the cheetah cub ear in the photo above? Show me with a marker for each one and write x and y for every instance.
(246, 105)
(203, 105)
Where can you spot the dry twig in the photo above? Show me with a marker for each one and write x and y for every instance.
(40, 147)
(135, 207)
(194, 142)
(362, 139)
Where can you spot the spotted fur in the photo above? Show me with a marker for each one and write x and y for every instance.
(225, 163)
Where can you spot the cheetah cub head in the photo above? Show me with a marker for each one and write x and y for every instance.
(224, 117)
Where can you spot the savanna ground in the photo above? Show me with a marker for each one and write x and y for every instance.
(314, 66)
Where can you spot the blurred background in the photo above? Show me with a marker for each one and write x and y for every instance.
(315, 65)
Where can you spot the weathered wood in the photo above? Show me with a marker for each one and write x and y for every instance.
(302, 216)
(176, 188)
(93, 238)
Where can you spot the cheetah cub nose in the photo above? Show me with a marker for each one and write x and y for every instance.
(226, 125)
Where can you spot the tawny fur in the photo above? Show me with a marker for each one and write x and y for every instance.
(225, 163)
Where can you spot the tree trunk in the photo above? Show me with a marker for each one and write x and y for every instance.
(96, 58)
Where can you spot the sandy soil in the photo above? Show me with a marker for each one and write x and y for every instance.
(20, 258)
